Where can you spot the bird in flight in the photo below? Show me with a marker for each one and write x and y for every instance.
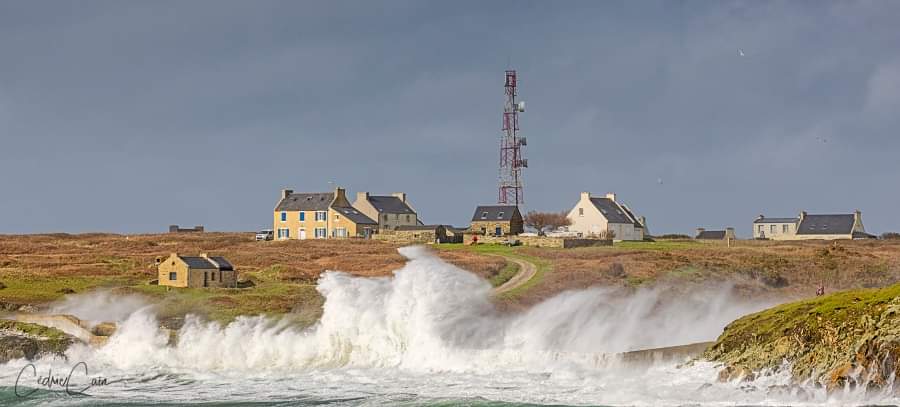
(740, 52)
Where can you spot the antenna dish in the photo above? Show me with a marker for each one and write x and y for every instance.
(521, 106)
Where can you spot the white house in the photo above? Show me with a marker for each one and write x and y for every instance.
(810, 227)
(595, 216)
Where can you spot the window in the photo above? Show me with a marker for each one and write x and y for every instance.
(760, 229)
(321, 233)
(284, 233)
(484, 215)
(302, 216)
(337, 217)
(284, 216)
(772, 229)
(580, 211)
(784, 229)
(321, 216)
(408, 218)
(340, 232)
(213, 275)
(173, 276)
(500, 215)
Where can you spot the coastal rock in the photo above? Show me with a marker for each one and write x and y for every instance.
(843, 340)
(21, 340)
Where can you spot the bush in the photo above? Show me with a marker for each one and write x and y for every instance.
(616, 270)
(890, 235)
(2, 286)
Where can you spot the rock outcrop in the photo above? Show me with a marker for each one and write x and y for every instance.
(845, 339)
(23, 340)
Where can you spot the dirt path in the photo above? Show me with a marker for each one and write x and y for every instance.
(527, 270)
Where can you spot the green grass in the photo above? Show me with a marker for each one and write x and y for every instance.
(504, 275)
(37, 289)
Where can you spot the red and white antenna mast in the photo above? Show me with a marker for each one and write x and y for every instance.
(512, 160)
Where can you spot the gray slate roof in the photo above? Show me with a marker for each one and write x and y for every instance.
(494, 212)
(612, 211)
(711, 235)
(389, 204)
(198, 262)
(776, 220)
(826, 225)
(318, 201)
(355, 216)
(631, 215)
(222, 262)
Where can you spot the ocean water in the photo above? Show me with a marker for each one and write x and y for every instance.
(429, 335)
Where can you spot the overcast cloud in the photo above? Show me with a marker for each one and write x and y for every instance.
(127, 117)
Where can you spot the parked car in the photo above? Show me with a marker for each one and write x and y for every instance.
(267, 234)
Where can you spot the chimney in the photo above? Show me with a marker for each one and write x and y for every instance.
(802, 215)
(362, 196)
(700, 230)
(400, 195)
(340, 198)
(286, 192)
(611, 196)
(857, 218)
(173, 254)
(760, 217)
(204, 255)
(643, 221)
(585, 196)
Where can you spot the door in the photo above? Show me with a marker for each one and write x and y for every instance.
(205, 279)
(302, 234)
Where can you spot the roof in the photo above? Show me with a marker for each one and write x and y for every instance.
(494, 212)
(634, 219)
(355, 216)
(863, 235)
(389, 204)
(221, 262)
(711, 235)
(776, 220)
(317, 201)
(197, 262)
(612, 211)
(826, 225)
(419, 227)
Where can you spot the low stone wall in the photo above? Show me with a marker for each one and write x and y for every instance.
(539, 241)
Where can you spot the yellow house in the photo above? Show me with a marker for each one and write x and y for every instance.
(197, 271)
(319, 215)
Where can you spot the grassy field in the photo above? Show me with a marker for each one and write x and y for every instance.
(37, 269)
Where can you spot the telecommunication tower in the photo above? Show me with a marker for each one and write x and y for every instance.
(512, 160)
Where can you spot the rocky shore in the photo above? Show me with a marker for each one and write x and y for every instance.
(846, 339)
(30, 341)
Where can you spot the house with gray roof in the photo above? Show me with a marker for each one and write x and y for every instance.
(811, 227)
(196, 271)
(320, 215)
(389, 211)
(604, 216)
(497, 220)
(703, 234)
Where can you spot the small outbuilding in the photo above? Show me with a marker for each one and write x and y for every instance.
(703, 234)
(197, 271)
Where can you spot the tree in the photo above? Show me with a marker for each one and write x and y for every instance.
(546, 220)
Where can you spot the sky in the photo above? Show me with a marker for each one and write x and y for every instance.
(130, 116)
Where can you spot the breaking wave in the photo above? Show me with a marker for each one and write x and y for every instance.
(430, 332)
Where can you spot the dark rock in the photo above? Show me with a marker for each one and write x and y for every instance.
(2, 286)
(245, 284)
(66, 290)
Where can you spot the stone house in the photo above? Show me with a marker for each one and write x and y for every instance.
(703, 234)
(196, 271)
(497, 220)
(596, 216)
(389, 211)
(811, 227)
(421, 234)
(319, 215)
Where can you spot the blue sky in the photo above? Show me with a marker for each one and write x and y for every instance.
(127, 116)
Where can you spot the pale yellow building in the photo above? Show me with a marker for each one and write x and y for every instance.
(598, 216)
(320, 215)
(197, 271)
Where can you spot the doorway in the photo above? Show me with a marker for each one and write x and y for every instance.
(302, 234)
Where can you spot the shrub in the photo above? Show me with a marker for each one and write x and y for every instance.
(673, 236)
(890, 235)
(616, 270)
